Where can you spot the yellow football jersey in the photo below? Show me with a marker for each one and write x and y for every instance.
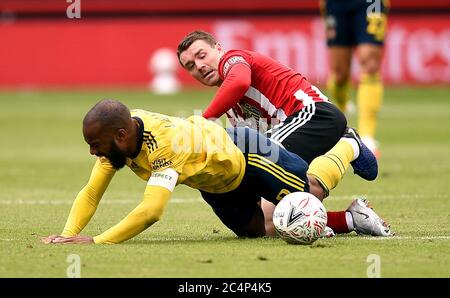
(200, 151)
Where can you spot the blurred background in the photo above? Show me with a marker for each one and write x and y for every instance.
(50, 44)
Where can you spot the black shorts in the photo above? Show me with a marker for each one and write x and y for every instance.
(271, 172)
(353, 22)
(312, 131)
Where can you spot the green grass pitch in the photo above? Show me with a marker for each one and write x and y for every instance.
(44, 162)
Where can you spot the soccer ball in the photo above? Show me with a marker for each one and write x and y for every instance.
(300, 218)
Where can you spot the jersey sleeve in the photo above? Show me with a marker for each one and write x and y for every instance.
(143, 216)
(235, 85)
(87, 200)
(229, 60)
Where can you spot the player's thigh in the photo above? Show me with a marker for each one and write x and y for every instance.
(370, 57)
(340, 62)
(239, 211)
(319, 134)
(272, 179)
(268, 208)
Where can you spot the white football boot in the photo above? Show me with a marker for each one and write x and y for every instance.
(366, 221)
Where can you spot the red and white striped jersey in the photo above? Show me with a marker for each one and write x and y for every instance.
(276, 91)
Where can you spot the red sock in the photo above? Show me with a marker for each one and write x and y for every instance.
(337, 221)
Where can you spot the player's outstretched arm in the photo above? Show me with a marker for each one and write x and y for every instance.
(231, 91)
(157, 193)
(143, 216)
(86, 202)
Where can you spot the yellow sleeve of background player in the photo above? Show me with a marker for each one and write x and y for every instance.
(149, 211)
(88, 198)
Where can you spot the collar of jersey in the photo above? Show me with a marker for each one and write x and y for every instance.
(140, 137)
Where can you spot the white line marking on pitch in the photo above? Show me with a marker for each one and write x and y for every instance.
(364, 238)
(195, 200)
(387, 196)
(103, 202)
(408, 238)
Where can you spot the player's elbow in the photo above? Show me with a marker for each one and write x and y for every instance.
(153, 219)
(150, 217)
(243, 84)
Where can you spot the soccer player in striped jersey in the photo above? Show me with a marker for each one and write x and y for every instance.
(267, 95)
(232, 169)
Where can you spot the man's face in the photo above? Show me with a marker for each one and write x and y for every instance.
(201, 61)
(102, 143)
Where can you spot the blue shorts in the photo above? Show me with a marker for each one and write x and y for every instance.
(353, 22)
(271, 173)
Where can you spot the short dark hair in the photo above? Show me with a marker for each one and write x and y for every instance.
(109, 113)
(189, 39)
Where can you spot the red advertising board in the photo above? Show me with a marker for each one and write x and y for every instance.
(112, 52)
(187, 6)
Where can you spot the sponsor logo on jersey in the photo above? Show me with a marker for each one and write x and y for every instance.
(160, 163)
(250, 111)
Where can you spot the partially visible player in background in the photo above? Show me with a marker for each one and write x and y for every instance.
(358, 25)
(232, 169)
(262, 93)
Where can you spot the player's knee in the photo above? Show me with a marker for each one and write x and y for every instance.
(251, 232)
(255, 228)
(341, 76)
(270, 228)
(370, 63)
(371, 67)
(316, 188)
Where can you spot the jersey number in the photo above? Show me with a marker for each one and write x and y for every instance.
(376, 25)
(282, 194)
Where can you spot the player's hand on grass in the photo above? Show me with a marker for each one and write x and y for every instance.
(74, 239)
(60, 239)
(49, 239)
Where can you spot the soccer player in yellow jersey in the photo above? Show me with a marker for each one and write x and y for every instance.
(232, 169)
(357, 26)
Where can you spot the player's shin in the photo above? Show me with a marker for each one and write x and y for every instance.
(339, 92)
(330, 168)
(369, 97)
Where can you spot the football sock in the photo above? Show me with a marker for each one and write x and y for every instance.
(354, 145)
(369, 98)
(330, 168)
(339, 93)
(349, 220)
(337, 220)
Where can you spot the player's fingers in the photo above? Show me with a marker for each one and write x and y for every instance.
(62, 239)
(48, 239)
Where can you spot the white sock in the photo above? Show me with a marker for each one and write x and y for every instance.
(349, 220)
(355, 147)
